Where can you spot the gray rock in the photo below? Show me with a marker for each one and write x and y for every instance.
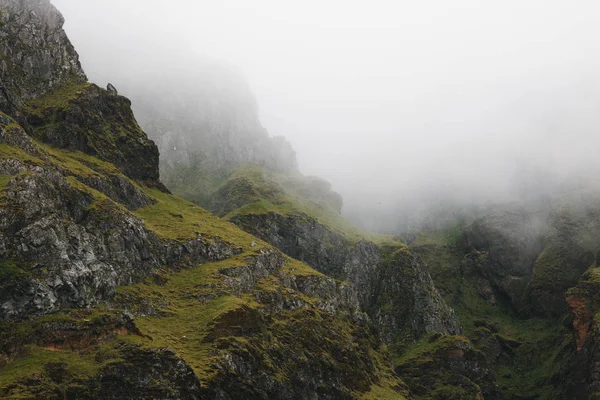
(395, 290)
(112, 89)
(38, 56)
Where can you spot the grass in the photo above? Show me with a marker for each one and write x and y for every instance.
(379, 392)
(198, 300)
(56, 99)
(4, 179)
(9, 270)
(78, 163)
(261, 191)
(174, 218)
(12, 152)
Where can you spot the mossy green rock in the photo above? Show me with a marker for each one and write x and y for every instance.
(86, 118)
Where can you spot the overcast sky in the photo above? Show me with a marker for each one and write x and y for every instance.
(385, 98)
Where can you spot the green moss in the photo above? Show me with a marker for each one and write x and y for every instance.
(56, 99)
(9, 270)
(427, 368)
(592, 275)
(78, 163)
(16, 376)
(255, 190)
(4, 179)
(177, 219)
(197, 316)
(14, 153)
(424, 349)
(379, 392)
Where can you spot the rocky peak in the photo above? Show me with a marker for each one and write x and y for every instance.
(43, 87)
(36, 54)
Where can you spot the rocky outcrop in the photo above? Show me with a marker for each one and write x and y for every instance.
(305, 239)
(270, 347)
(44, 88)
(406, 303)
(94, 121)
(72, 247)
(392, 286)
(579, 377)
(36, 55)
(446, 367)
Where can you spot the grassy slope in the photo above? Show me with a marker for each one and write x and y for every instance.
(274, 192)
(184, 316)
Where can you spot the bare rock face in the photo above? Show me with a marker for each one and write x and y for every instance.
(36, 54)
(112, 89)
(394, 288)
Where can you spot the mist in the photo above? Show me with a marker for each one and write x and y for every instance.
(402, 106)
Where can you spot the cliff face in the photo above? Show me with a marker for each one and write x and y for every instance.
(45, 91)
(205, 122)
(36, 54)
(392, 285)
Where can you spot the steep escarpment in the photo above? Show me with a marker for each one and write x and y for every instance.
(37, 57)
(387, 278)
(393, 286)
(204, 119)
(69, 244)
(110, 287)
(45, 90)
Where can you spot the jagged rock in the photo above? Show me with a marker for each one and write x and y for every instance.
(37, 56)
(42, 80)
(93, 121)
(446, 367)
(110, 87)
(395, 290)
(70, 248)
(579, 375)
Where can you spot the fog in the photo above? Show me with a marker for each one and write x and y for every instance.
(400, 104)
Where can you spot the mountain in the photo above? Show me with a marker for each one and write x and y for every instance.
(111, 287)
(204, 119)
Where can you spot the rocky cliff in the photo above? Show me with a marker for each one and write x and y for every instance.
(392, 285)
(204, 119)
(112, 288)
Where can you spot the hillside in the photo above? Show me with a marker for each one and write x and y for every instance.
(113, 288)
